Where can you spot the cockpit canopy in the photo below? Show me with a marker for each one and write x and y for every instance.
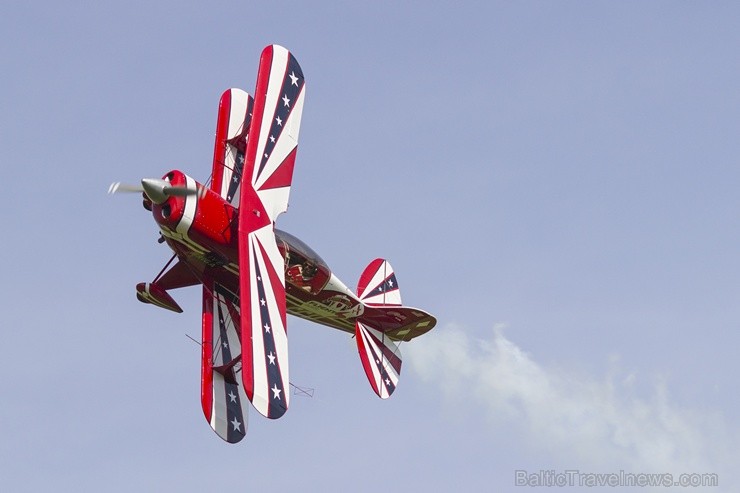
(303, 267)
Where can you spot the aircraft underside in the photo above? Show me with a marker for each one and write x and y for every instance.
(312, 291)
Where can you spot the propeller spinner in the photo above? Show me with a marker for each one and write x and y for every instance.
(156, 190)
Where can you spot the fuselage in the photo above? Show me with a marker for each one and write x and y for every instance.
(202, 230)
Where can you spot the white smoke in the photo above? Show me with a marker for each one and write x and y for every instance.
(599, 423)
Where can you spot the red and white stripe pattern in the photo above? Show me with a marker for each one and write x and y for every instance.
(275, 126)
(378, 285)
(381, 359)
(263, 300)
(270, 157)
(223, 398)
(188, 215)
(232, 127)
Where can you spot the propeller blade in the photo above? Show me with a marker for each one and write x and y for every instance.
(157, 190)
(179, 191)
(117, 187)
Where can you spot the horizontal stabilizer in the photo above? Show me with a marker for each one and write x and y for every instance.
(378, 290)
(381, 359)
(378, 285)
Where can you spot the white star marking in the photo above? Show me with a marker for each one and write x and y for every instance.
(225, 344)
(286, 101)
(387, 381)
(293, 79)
(390, 283)
(232, 396)
(272, 358)
(276, 392)
(279, 121)
(237, 425)
(267, 328)
(272, 139)
(262, 302)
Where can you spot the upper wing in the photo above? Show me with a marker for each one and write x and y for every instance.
(264, 322)
(270, 156)
(232, 128)
(222, 393)
(274, 129)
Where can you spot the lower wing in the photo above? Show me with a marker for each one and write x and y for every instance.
(223, 398)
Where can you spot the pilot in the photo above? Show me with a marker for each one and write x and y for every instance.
(308, 270)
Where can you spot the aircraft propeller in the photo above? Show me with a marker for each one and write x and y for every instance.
(157, 190)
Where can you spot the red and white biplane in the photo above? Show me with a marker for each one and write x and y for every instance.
(224, 237)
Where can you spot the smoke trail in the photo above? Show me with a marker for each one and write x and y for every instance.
(601, 423)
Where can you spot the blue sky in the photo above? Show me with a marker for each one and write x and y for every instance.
(555, 181)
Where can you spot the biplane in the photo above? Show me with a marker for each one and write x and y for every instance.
(224, 238)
